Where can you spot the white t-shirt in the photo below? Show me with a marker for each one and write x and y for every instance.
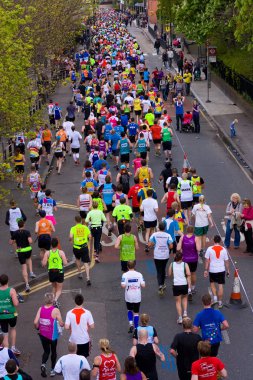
(75, 138)
(133, 281)
(79, 320)
(148, 206)
(71, 365)
(169, 179)
(130, 100)
(201, 213)
(67, 127)
(217, 256)
(146, 104)
(161, 240)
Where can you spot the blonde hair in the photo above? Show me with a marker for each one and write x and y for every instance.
(235, 195)
(104, 345)
(144, 318)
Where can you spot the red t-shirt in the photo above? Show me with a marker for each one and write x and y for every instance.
(156, 132)
(207, 368)
(133, 194)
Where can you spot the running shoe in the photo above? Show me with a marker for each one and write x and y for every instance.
(88, 283)
(131, 329)
(32, 275)
(52, 373)
(194, 291)
(109, 232)
(27, 288)
(56, 304)
(21, 186)
(220, 305)
(190, 297)
(185, 314)
(180, 320)
(164, 286)
(18, 185)
(160, 291)
(43, 370)
(97, 259)
(20, 298)
(146, 248)
(15, 351)
(80, 276)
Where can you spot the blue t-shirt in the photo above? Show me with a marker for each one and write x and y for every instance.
(179, 107)
(132, 129)
(114, 140)
(85, 182)
(171, 226)
(108, 190)
(98, 164)
(146, 75)
(107, 132)
(118, 129)
(124, 120)
(209, 320)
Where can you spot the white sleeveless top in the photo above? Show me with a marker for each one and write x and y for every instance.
(179, 277)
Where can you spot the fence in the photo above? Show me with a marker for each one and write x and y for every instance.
(241, 84)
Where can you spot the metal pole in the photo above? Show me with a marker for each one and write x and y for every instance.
(208, 72)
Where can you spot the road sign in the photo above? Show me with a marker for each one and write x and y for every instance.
(212, 54)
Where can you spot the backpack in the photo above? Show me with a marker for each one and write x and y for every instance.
(95, 157)
(124, 180)
(173, 180)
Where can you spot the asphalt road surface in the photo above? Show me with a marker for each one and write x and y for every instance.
(105, 298)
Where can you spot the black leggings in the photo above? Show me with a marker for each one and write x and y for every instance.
(48, 345)
(161, 270)
(96, 234)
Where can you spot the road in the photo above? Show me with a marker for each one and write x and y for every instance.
(105, 298)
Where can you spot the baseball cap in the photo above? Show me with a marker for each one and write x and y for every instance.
(145, 180)
(123, 167)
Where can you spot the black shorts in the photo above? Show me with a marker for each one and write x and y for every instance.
(174, 248)
(109, 208)
(167, 145)
(5, 323)
(56, 276)
(132, 138)
(143, 155)
(82, 254)
(83, 349)
(219, 277)
(19, 168)
(151, 224)
(135, 307)
(180, 290)
(23, 256)
(44, 242)
(40, 151)
(157, 141)
(137, 113)
(115, 152)
(186, 204)
(136, 209)
(34, 160)
(125, 158)
(75, 150)
(51, 119)
(83, 214)
(47, 145)
(58, 154)
(193, 266)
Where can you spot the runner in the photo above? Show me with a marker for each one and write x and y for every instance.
(122, 214)
(79, 235)
(49, 205)
(13, 215)
(96, 218)
(149, 208)
(44, 229)
(128, 244)
(132, 281)
(55, 259)
(106, 365)
(46, 142)
(19, 162)
(33, 181)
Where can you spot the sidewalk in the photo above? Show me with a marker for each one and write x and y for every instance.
(222, 111)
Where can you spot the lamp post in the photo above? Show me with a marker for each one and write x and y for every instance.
(208, 73)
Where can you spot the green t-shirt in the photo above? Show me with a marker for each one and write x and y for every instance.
(127, 248)
(95, 217)
(166, 135)
(150, 117)
(122, 212)
(80, 235)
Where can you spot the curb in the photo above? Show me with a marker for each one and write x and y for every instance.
(43, 276)
(233, 148)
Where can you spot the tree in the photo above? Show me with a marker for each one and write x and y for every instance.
(244, 23)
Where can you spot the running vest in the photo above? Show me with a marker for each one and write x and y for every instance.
(189, 250)
(58, 148)
(18, 160)
(170, 199)
(19, 377)
(185, 191)
(101, 176)
(150, 330)
(166, 135)
(47, 324)
(84, 201)
(144, 174)
(179, 218)
(7, 309)
(102, 147)
(141, 146)
(79, 232)
(44, 227)
(118, 198)
(124, 146)
(196, 185)
(55, 260)
(107, 193)
(15, 216)
(107, 368)
(127, 248)
(90, 186)
(34, 182)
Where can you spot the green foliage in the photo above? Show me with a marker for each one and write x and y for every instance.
(244, 23)
(166, 11)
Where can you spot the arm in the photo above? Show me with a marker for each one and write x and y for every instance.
(198, 244)
(96, 364)
(56, 314)
(36, 227)
(118, 366)
(164, 198)
(225, 325)
(30, 240)
(63, 256)
(179, 245)
(45, 259)
(170, 270)
(70, 237)
(136, 243)
(188, 275)
(14, 297)
(194, 377)
(158, 352)
(207, 264)
(37, 318)
(133, 352)
(210, 220)
(227, 266)
(224, 373)
(173, 352)
(117, 244)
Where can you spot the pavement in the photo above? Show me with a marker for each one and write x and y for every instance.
(104, 298)
(222, 110)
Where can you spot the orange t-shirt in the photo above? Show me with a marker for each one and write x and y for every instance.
(63, 135)
(44, 227)
(47, 135)
(156, 132)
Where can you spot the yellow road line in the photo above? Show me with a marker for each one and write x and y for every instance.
(68, 275)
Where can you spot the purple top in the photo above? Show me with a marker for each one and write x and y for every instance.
(137, 376)
(190, 253)
(48, 325)
(195, 110)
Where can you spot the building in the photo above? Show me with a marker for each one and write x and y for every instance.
(152, 8)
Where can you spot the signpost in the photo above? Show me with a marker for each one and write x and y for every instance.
(211, 53)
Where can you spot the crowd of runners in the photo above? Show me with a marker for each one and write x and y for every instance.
(125, 121)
